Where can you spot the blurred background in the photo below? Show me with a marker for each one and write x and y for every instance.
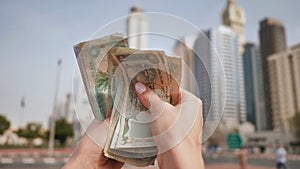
(257, 42)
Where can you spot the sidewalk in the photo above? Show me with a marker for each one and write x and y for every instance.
(290, 157)
(233, 166)
(34, 151)
(34, 156)
(212, 166)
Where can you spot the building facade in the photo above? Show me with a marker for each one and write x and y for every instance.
(224, 97)
(137, 27)
(184, 49)
(255, 107)
(234, 17)
(284, 75)
(272, 40)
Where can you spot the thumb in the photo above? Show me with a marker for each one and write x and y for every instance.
(149, 99)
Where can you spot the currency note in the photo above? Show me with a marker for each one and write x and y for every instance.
(110, 70)
(152, 69)
(92, 61)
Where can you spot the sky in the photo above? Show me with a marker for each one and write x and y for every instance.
(35, 34)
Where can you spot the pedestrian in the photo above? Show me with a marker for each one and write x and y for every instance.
(243, 157)
(281, 157)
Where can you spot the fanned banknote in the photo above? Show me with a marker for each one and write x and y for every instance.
(110, 70)
(92, 61)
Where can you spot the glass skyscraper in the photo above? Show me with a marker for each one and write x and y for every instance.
(224, 81)
(254, 87)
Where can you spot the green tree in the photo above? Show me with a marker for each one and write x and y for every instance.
(30, 132)
(4, 124)
(63, 130)
(294, 124)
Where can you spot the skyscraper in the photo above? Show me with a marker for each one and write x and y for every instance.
(137, 27)
(284, 75)
(272, 40)
(234, 17)
(193, 69)
(223, 43)
(205, 59)
(255, 107)
(184, 49)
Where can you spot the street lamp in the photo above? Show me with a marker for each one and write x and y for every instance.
(52, 120)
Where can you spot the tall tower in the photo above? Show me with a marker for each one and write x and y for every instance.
(137, 28)
(272, 40)
(255, 106)
(234, 17)
(223, 45)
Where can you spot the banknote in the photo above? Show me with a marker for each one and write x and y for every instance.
(110, 70)
(92, 61)
(150, 68)
(131, 130)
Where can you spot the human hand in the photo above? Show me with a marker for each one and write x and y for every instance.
(184, 154)
(177, 130)
(89, 152)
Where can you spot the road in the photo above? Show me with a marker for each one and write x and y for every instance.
(31, 166)
(15, 159)
(254, 162)
(211, 163)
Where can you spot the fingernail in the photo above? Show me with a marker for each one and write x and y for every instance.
(140, 88)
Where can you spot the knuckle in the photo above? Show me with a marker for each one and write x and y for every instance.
(145, 99)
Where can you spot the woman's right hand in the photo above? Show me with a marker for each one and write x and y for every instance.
(177, 130)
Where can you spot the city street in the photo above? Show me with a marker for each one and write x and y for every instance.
(139, 81)
(36, 159)
(230, 161)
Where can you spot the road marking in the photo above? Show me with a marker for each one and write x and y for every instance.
(25, 154)
(65, 160)
(28, 160)
(36, 154)
(6, 160)
(49, 160)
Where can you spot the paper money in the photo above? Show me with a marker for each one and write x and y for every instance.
(92, 61)
(152, 69)
(110, 70)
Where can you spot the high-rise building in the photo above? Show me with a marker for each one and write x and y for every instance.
(205, 60)
(222, 47)
(234, 17)
(255, 107)
(184, 49)
(272, 40)
(284, 75)
(137, 27)
(193, 69)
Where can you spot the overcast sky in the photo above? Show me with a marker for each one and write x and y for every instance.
(35, 34)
